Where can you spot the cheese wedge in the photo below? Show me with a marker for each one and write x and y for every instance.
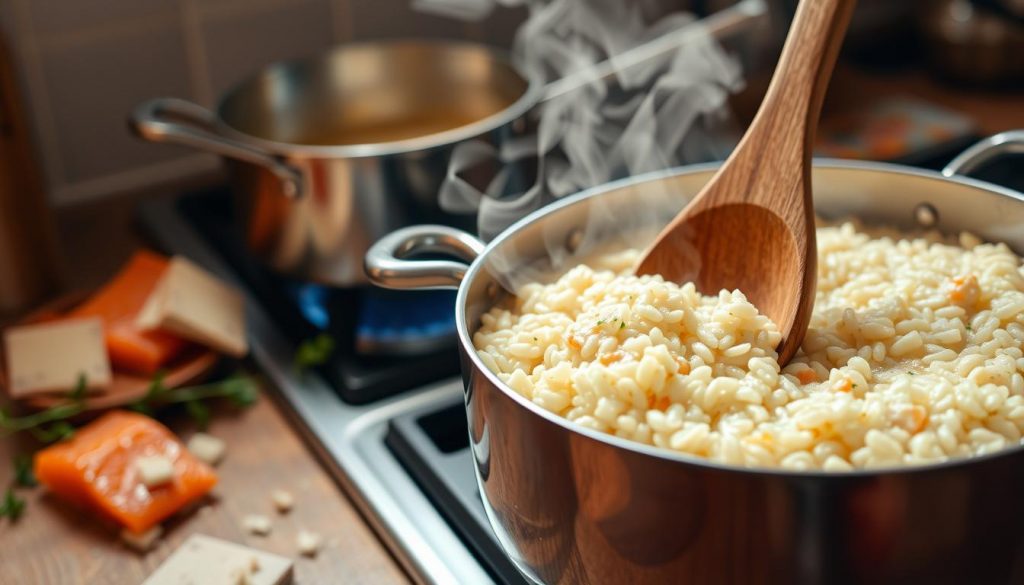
(51, 357)
(193, 304)
(118, 303)
(204, 559)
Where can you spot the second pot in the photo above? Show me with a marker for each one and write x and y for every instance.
(328, 155)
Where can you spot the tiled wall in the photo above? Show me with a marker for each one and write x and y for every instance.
(84, 64)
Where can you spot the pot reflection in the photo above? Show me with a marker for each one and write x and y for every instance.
(523, 459)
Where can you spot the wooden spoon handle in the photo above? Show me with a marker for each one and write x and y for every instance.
(788, 116)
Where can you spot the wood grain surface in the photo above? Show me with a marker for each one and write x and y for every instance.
(55, 543)
(752, 226)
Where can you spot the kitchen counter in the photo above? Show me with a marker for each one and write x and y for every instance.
(53, 543)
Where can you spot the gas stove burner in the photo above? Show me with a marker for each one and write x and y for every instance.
(386, 342)
(387, 322)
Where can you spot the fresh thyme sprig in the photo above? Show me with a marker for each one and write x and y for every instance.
(48, 425)
(52, 424)
(241, 391)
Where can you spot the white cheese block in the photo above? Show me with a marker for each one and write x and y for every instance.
(283, 500)
(51, 357)
(204, 559)
(155, 470)
(257, 524)
(194, 304)
(308, 543)
(207, 448)
(142, 541)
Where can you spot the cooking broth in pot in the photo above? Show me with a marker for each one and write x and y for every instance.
(411, 125)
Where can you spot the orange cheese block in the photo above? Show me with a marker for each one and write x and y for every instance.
(118, 303)
(97, 469)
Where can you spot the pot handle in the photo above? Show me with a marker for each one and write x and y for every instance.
(388, 263)
(180, 121)
(968, 161)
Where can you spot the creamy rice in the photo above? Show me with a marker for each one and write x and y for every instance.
(913, 356)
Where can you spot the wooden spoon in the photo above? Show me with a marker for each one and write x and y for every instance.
(752, 226)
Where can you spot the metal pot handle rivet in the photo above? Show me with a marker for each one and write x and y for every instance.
(389, 262)
(970, 160)
(183, 122)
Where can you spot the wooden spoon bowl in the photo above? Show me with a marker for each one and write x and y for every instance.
(752, 226)
(716, 261)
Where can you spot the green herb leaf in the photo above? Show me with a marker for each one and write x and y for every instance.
(78, 394)
(240, 390)
(23, 475)
(58, 431)
(12, 506)
(156, 388)
(37, 423)
(622, 325)
(200, 414)
(313, 352)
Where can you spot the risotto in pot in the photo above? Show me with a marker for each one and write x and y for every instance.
(913, 356)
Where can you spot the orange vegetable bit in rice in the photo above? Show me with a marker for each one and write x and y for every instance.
(911, 418)
(99, 469)
(659, 402)
(807, 376)
(964, 290)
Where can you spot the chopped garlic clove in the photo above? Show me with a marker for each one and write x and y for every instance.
(154, 470)
(207, 448)
(142, 541)
(283, 500)
(257, 524)
(309, 543)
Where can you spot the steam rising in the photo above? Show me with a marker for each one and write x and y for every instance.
(652, 115)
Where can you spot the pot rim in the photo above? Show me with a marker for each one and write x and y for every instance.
(478, 265)
(506, 115)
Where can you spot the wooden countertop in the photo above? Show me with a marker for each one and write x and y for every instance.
(53, 543)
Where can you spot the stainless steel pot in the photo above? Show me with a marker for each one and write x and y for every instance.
(330, 154)
(571, 505)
